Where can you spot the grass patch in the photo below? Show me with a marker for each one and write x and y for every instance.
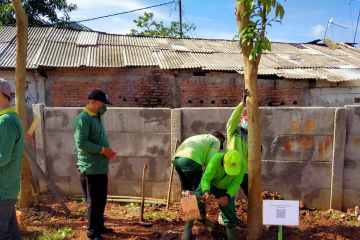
(160, 215)
(60, 234)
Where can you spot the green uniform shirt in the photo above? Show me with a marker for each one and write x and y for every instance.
(199, 148)
(11, 153)
(90, 138)
(215, 175)
(237, 139)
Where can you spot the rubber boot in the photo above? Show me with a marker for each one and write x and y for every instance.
(187, 230)
(231, 233)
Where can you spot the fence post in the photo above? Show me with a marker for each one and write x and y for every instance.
(38, 109)
(340, 120)
(176, 133)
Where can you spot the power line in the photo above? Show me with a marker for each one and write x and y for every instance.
(120, 13)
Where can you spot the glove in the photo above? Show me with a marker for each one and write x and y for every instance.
(246, 93)
(205, 197)
(223, 201)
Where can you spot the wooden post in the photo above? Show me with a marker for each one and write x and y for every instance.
(26, 193)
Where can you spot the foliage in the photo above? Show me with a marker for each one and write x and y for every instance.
(262, 13)
(60, 234)
(40, 12)
(160, 215)
(147, 26)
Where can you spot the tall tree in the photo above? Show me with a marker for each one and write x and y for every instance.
(252, 17)
(40, 12)
(147, 26)
(26, 193)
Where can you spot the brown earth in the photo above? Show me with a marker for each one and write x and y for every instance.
(48, 216)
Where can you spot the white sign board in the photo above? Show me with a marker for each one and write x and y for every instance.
(281, 212)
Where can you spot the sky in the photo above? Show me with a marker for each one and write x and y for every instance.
(304, 21)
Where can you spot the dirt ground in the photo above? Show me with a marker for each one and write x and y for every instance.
(48, 216)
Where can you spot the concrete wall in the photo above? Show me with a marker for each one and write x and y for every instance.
(334, 94)
(310, 154)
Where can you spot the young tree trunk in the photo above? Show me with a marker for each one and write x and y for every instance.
(26, 193)
(254, 220)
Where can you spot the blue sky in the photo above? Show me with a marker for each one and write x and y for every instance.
(304, 21)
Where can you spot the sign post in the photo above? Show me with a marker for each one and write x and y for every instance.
(280, 213)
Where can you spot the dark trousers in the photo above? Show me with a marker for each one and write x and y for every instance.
(227, 212)
(95, 191)
(244, 184)
(190, 173)
(9, 229)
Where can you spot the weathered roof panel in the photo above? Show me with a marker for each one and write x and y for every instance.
(87, 38)
(61, 47)
(139, 56)
(7, 34)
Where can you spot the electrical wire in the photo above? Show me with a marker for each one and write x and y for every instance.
(120, 13)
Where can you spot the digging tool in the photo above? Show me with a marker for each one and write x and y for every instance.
(141, 218)
(171, 178)
(190, 206)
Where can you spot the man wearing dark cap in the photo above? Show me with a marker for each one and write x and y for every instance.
(11, 152)
(93, 160)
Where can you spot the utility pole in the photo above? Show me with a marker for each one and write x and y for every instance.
(180, 19)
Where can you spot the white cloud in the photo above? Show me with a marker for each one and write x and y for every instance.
(317, 30)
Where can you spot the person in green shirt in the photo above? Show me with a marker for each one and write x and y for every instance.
(192, 157)
(11, 155)
(222, 178)
(237, 135)
(93, 153)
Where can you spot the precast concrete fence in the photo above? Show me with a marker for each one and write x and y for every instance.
(309, 154)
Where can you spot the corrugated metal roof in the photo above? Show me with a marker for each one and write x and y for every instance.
(64, 48)
(87, 38)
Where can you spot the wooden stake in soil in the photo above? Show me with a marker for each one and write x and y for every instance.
(141, 218)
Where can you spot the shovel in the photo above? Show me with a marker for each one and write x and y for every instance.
(141, 218)
(190, 207)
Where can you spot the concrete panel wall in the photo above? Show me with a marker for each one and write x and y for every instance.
(297, 147)
(302, 158)
(352, 158)
(139, 135)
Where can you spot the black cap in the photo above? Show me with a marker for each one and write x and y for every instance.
(99, 95)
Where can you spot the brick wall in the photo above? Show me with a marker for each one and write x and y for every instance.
(151, 87)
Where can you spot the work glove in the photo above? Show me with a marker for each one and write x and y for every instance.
(109, 153)
(223, 201)
(246, 94)
(205, 197)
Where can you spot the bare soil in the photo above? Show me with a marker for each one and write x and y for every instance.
(167, 225)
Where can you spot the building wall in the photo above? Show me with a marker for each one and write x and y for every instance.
(328, 94)
(31, 86)
(152, 87)
(303, 156)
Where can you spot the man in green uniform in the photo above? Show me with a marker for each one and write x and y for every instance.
(93, 161)
(222, 178)
(11, 155)
(192, 157)
(237, 135)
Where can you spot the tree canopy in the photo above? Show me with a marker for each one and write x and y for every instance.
(40, 12)
(147, 26)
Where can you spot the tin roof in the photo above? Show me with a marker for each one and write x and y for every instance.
(69, 48)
